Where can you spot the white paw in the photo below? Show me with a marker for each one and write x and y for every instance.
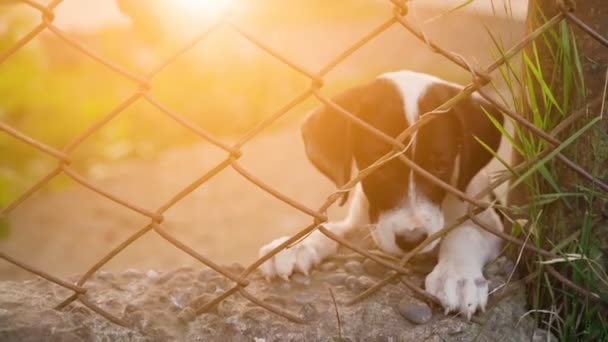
(460, 288)
(298, 258)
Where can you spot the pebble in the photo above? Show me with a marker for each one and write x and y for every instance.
(358, 284)
(198, 289)
(81, 310)
(132, 274)
(152, 274)
(366, 282)
(236, 268)
(328, 266)
(105, 276)
(181, 280)
(305, 298)
(162, 299)
(309, 312)
(285, 286)
(220, 282)
(500, 267)
(130, 308)
(166, 277)
(204, 275)
(300, 279)
(373, 268)
(135, 318)
(180, 300)
(352, 283)
(187, 315)
(111, 304)
(341, 339)
(209, 288)
(542, 335)
(414, 311)
(337, 278)
(256, 314)
(185, 269)
(354, 267)
(78, 319)
(226, 308)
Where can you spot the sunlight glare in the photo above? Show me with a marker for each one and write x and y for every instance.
(203, 8)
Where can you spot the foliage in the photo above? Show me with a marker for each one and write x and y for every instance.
(549, 90)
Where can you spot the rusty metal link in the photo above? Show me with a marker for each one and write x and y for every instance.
(317, 80)
(400, 6)
(480, 78)
(356, 46)
(37, 144)
(43, 274)
(578, 22)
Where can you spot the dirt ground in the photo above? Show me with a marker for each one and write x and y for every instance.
(227, 219)
(64, 232)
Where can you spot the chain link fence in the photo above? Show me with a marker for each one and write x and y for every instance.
(479, 78)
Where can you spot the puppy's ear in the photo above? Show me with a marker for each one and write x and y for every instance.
(327, 137)
(475, 124)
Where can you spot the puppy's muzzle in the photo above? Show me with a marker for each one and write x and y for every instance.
(411, 239)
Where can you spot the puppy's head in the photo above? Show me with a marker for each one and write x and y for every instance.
(404, 206)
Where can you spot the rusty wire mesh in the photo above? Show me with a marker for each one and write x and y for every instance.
(480, 78)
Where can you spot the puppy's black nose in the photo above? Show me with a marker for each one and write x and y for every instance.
(411, 239)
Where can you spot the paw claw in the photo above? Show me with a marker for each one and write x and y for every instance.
(298, 258)
(459, 288)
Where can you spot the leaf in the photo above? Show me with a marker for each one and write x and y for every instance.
(503, 131)
(553, 153)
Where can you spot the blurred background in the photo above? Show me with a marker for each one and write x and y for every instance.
(225, 84)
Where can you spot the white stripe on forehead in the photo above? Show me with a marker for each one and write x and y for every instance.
(412, 85)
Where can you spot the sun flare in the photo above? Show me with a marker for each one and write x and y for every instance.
(203, 8)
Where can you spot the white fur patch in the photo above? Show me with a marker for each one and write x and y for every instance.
(457, 279)
(316, 247)
(420, 214)
(412, 85)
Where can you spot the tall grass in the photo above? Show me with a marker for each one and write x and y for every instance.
(547, 86)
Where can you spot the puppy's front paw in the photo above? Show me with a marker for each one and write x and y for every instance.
(461, 288)
(298, 258)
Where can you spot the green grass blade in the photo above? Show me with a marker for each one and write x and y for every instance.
(553, 153)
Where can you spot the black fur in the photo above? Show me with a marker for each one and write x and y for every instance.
(332, 141)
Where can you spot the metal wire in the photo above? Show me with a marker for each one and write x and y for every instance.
(480, 79)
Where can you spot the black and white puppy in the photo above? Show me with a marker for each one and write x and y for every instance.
(403, 207)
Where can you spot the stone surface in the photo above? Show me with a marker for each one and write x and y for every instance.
(300, 279)
(337, 278)
(415, 311)
(542, 335)
(373, 268)
(162, 308)
(354, 267)
(328, 266)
